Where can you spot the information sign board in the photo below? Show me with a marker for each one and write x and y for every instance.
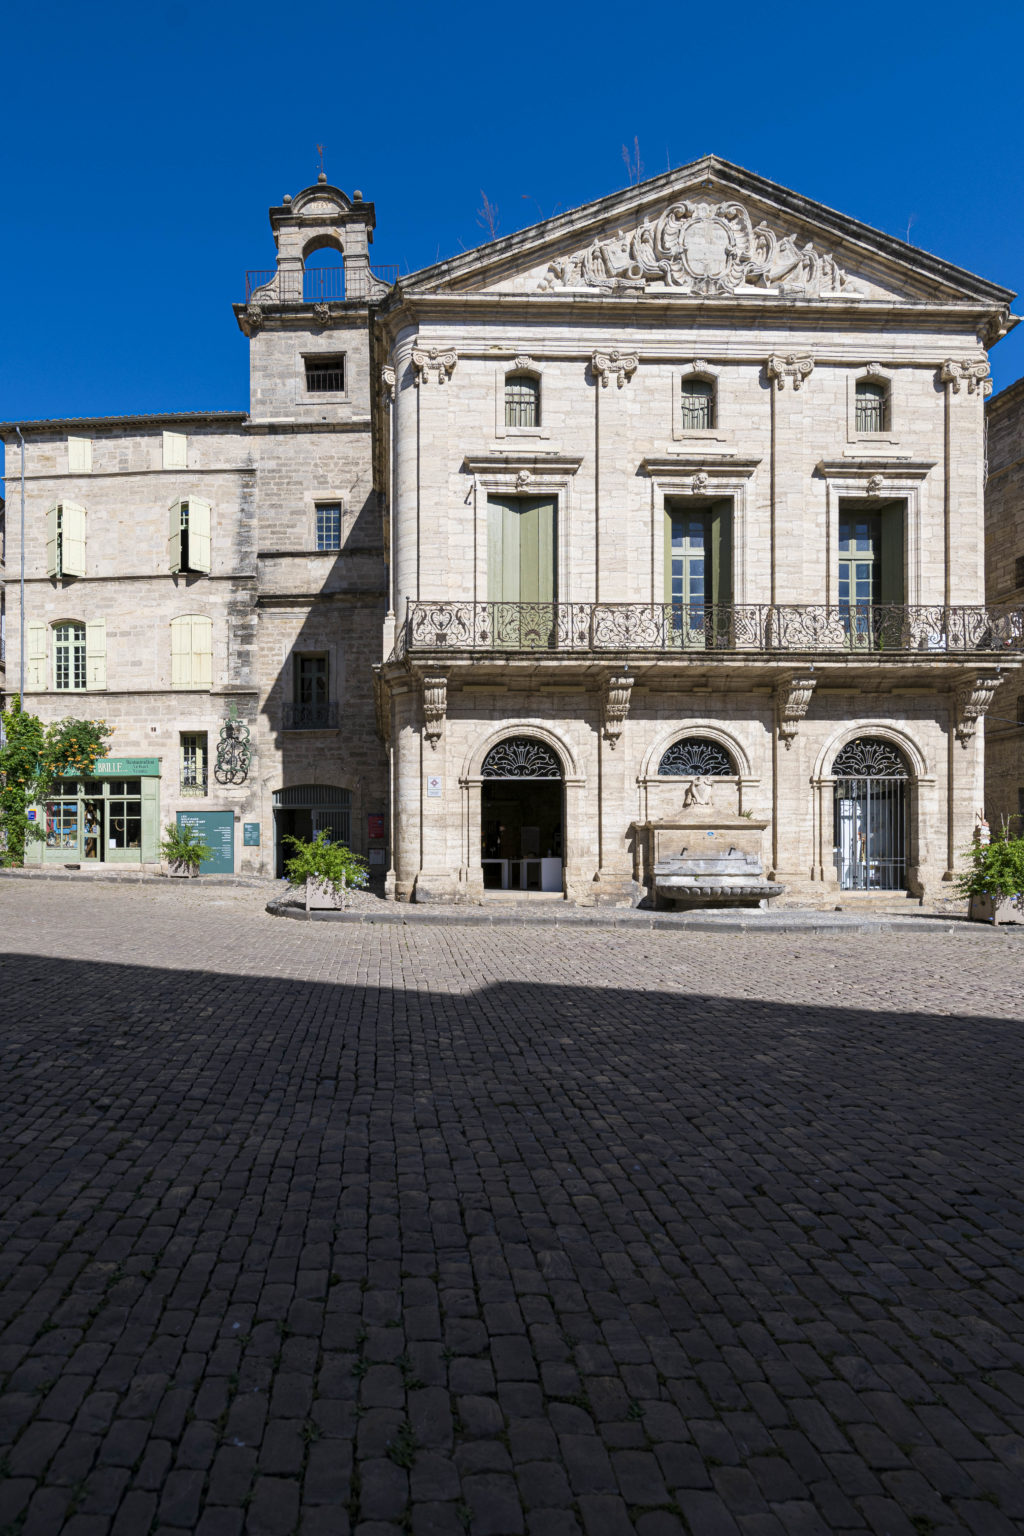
(217, 830)
(250, 834)
(127, 767)
(375, 825)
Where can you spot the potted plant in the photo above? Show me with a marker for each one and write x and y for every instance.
(184, 850)
(324, 870)
(995, 875)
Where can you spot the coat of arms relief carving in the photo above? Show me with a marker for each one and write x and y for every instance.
(706, 249)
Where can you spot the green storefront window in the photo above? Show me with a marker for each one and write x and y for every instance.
(102, 820)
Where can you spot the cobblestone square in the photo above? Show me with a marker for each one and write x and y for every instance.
(440, 1231)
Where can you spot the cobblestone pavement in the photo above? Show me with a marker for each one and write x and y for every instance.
(448, 1231)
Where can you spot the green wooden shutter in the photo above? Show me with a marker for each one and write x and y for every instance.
(202, 652)
(174, 536)
(669, 519)
(37, 662)
(891, 586)
(537, 550)
(79, 455)
(175, 450)
(96, 653)
(51, 541)
(150, 820)
(198, 534)
(181, 652)
(72, 540)
(721, 555)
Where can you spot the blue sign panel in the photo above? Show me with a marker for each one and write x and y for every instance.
(217, 830)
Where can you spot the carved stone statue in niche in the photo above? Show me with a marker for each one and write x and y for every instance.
(698, 792)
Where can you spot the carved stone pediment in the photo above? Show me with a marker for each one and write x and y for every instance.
(702, 248)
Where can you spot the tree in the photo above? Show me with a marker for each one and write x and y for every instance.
(31, 758)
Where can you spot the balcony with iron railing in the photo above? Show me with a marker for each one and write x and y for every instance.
(309, 717)
(319, 285)
(894, 630)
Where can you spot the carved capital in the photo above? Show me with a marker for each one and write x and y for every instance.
(433, 366)
(792, 698)
(614, 365)
(387, 383)
(954, 373)
(792, 367)
(972, 701)
(617, 691)
(435, 706)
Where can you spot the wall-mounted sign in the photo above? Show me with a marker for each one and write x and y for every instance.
(375, 825)
(433, 786)
(32, 815)
(250, 834)
(127, 767)
(217, 830)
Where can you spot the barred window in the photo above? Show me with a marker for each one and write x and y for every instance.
(328, 525)
(522, 401)
(325, 374)
(69, 656)
(194, 755)
(698, 405)
(872, 406)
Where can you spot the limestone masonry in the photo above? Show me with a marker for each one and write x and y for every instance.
(652, 531)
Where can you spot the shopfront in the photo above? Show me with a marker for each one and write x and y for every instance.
(111, 817)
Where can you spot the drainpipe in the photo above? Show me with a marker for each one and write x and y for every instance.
(21, 598)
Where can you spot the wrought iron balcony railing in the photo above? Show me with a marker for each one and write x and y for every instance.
(672, 629)
(319, 285)
(309, 717)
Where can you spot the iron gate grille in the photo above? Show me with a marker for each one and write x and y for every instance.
(871, 816)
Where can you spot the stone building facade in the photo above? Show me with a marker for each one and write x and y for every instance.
(1004, 585)
(212, 585)
(657, 524)
(685, 492)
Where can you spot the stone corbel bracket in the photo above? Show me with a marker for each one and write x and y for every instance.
(792, 367)
(433, 366)
(973, 698)
(322, 315)
(792, 699)
(435, 707)
(617, 692)
(614, 365)
(387, 383)
(955, 373)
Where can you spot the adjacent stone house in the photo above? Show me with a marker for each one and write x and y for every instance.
(1004, 586)
(657, 524)
(686, 501)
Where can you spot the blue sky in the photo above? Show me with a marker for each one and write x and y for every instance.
(142, 146)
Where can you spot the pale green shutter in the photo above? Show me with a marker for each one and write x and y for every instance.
(891, 584)
(72, 562)
(198, 534)
(36, 669)
(502, 550)
(96, 654)
(150, 820)
(51, 542)
(175, 450)
(174, 536)
(537, 551)
(668, 555)
(202, 653)
(721, 557)
(181, 653)
(79, 456)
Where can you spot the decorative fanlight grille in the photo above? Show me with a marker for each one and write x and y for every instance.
(694, 757)
(521, 758)
(869, 758)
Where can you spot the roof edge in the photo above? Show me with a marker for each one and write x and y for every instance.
(148, 418)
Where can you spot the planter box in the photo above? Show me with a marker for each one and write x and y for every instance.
(179, 871)
(322, 897)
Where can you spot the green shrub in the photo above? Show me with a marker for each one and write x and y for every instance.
(995, 869)
(331, 863)
(183, 845)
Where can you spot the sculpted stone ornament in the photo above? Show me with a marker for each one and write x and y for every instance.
(523, 479)
(435, 706)
(875, 485)
(387, 383)
(698, 792)
(708, 249)
(617, 691)
(699, 483)
(974, 374)
(791, 704)
(524, 365)
(614, 365)
(433, 365)
(792, 366)
(253, 318)
(322, 314)
(972, 701)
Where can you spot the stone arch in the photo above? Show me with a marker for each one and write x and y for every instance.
(323, 240)
(725, 739)
(915, 759)
(474, 761)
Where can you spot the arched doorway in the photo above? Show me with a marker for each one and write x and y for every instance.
(870, 817)
(521, 816)
(306, 809)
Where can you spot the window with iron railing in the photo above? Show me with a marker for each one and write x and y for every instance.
(325, 375)
(872, 407)
(328, 525)
(698, 405)
(522, 401)
(194, 758)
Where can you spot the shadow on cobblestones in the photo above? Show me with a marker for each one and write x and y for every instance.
(284, 1256)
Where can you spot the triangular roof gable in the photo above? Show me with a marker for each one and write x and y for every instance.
(708, 229)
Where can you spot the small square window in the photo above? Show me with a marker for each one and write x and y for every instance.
(325, 374)
(328, 525)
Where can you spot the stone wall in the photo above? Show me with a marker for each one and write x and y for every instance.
(1004, 581)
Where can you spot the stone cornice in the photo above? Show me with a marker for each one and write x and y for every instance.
(895, 468)
(691, 462)
(536, 463)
